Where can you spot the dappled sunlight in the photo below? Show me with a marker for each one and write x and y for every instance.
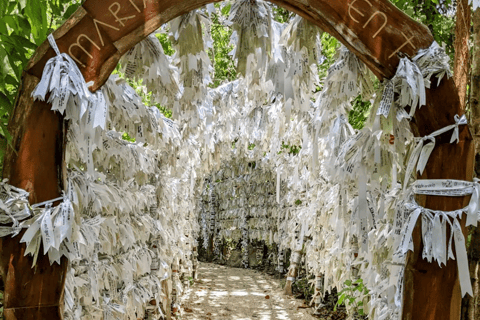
(240, 294)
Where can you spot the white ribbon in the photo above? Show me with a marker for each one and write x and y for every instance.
(433, 61)
(62, 78)
(453, 188)
(419, 156)
(407, 241)
(462, 260)
(422, 151)
(473, 211)
(443, 187)
(434, 235)
(458, 122)
(14, 208)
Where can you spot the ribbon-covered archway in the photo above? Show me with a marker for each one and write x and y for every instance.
(100, 32)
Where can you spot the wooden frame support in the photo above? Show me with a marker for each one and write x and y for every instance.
(36, 165)
(97, 35)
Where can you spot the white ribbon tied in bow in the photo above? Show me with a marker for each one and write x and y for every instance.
(422, 151)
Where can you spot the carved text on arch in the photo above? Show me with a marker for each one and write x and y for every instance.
(356, 14)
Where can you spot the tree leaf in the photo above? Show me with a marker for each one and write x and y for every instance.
(5, 103)
(71, 9)
(25, 43)
(3, 8)
(4, 69)
(24, 26)
(36, 11)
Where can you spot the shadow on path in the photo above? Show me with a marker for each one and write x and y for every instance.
(238, 294)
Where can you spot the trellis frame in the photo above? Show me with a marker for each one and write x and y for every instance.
(101, 31)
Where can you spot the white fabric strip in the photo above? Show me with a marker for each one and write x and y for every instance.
(434, 238)
(453, 188)
(425, 146)
(443, 187)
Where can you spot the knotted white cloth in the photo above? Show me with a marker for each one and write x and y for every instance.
(453, 188)
(425, 146)
(434, 233)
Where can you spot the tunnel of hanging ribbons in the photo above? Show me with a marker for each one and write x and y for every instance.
(135, 209)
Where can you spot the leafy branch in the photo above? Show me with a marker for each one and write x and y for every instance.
(353, 294)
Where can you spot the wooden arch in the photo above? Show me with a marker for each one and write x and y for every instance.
(101, 31)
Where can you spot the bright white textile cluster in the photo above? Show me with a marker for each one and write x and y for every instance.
(116, 224)
(352, 214)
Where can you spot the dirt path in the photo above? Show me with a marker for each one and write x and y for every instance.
(224, 293)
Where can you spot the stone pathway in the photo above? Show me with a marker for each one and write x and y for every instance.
(224, 293)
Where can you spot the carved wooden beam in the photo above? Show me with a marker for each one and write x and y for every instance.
(101, 31)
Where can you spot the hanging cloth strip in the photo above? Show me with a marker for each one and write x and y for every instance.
(434, 224)
(14, 208)
(453, 188)
(50, 225)
(425, 146)
(411, 79)
(62, 78)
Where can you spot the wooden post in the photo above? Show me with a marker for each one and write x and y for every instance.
(295, 259)
(442, 299)
(318, 293)
(195, 263)
(292, 271)
(36, 165)
(166, 301)
(175, 279)
(375, 30)
(245, 242)
(471, 305)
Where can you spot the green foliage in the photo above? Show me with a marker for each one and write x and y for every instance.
(437, 15)
(164, 110)
(281, 15)
(329, 50)
(224, 66)
(127, 137)
(166, 43)
(24, 24)
(358, 115)
(304, 288)
(294, 149)
(350, 294)
(290, 149)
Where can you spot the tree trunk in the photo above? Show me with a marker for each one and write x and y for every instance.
(35, 165)
(471, 305)
(462, 50)
(475, 82)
